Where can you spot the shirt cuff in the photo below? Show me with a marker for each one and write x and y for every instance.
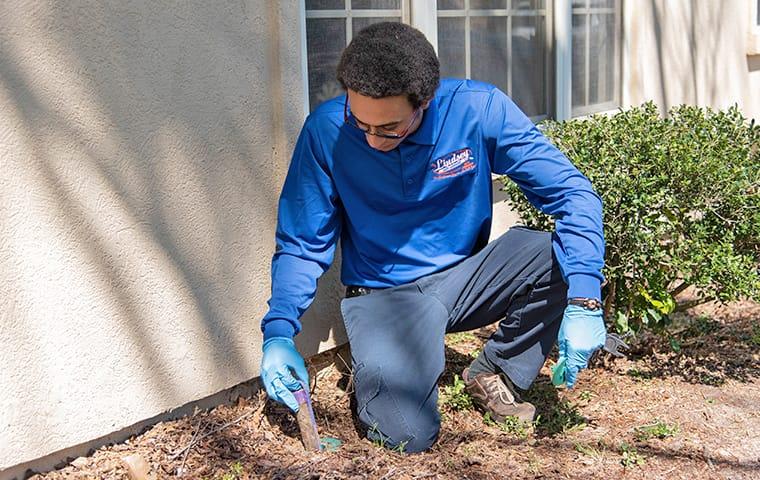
(278, 327)
(584, 285)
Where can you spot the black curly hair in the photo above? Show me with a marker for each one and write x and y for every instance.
(388, 59)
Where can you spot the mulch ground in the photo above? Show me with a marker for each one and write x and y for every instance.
(684, 407)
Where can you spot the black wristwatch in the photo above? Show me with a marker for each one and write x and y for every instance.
(587, 303)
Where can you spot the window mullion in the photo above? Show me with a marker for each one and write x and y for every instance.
(349, 23)
(563, 27)
(424, 17)
(586, 57)
(467, 55)
(510, 67)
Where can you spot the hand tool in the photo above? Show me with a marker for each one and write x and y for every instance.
(306, 422)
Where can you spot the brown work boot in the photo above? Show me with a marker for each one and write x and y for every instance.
(496, 394)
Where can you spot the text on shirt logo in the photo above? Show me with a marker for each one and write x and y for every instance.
(453, 164)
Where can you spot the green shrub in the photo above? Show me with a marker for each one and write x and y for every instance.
(681, 200)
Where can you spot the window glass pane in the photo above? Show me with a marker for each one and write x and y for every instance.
(325, 4)
(488, 4)
(601, 3)
(579, 60)
(488, 50)
(451, 51)
(580, 3)
(360, 22)
(528, 4)
(325, 40)
(372, 4)
(601, 58)
(450, 4)
(528, 64)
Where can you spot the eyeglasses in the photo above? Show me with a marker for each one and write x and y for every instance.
(378, 131)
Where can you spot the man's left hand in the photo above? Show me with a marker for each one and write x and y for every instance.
(581, 333)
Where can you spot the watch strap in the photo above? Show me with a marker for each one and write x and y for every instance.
(592, 304)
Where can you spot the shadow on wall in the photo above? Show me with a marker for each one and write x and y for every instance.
(151, 137)
(698, 74)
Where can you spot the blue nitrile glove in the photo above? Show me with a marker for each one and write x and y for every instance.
(279, 362)
(581, 333)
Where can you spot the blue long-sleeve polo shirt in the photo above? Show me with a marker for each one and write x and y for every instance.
(425, 205)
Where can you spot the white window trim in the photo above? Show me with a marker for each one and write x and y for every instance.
(586, 110)
(563, 54)
(753, 29)
(422, 20)
(304, 57)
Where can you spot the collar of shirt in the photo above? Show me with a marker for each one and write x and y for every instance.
(427, 131)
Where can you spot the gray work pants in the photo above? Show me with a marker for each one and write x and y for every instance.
(397, 334)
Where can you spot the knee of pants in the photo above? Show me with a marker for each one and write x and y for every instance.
(409, 445)
(397, 418)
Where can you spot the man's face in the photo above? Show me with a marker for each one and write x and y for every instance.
(379, 115)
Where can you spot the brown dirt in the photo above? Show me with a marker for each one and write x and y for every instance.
(707, 395)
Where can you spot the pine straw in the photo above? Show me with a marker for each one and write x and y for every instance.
(710, 390)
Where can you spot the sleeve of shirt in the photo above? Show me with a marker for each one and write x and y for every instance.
(308, 225)
(553, 185)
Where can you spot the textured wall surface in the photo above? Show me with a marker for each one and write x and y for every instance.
(142, 150)
(686, 51)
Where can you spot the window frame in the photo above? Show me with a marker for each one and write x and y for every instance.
(423, 15)
(753, 29)
(586, 110)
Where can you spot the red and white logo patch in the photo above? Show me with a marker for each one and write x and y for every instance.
(453, 164)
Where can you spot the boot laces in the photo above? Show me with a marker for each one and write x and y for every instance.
(495, 387)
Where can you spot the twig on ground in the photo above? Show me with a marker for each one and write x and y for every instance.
(181, 469)
(206, 435)
(389, 474)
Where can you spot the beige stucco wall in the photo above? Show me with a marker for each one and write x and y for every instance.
(689, 51)
(142, 150)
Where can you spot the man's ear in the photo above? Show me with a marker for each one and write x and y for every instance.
(426, 104)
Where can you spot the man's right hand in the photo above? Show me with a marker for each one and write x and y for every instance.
(279, 362)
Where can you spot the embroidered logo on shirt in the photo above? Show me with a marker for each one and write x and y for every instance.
(453, 164)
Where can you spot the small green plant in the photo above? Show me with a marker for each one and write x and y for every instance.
(455, 397)
(640, 374)
(587, 450)
(475, 353)
(401, 447)
(460, 337)
(378, 439)
(630, 456)
(562, 417)
(534, 464)
(381, 441)
(236, 472)
(656, 430)
(585, 395)
(511, 425)
(675, 345)
(755, 338)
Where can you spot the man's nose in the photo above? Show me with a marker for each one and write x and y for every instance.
(375, 141)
